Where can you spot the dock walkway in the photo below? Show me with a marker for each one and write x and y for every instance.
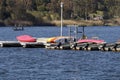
(10, 44)
(72, 46)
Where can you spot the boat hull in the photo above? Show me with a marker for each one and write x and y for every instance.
(26, 38)
(90, 41)
(62, 39)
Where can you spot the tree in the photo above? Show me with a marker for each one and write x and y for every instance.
(3, 13)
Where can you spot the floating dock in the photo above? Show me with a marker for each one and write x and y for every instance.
(19, 44)
(10, 44)
(72, 46)
(32, 45)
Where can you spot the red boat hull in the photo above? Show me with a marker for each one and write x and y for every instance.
(26, 38)
(91, 41)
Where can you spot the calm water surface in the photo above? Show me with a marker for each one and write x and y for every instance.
(43, 64)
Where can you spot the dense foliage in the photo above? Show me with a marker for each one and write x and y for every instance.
(35, 12)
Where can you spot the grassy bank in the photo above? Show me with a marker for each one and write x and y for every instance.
(71, 22)
(112, 22)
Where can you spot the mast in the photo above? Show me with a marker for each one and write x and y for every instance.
(61, 32)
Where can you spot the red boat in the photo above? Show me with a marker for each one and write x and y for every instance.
(26, 38)
(92, 40)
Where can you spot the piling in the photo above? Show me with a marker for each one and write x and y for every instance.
(52, 46)
(117, 48)
(82, 46)
(108, 47)
(65, 47)
(93, 47)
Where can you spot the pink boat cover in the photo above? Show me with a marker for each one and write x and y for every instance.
(90, 41)
(26, 38)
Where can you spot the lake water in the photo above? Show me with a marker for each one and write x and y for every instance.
(43, 64)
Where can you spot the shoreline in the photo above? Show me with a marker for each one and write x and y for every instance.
(112, 22)
(82, 22)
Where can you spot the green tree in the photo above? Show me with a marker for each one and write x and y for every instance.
(3, 13)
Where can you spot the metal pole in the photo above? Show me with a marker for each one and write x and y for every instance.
(76, 32)
(70, 31)
(61, 19)
(83, 30)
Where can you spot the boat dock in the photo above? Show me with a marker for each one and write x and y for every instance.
(19, 44)
(10, 44)
(33, 45)
(72, 46)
